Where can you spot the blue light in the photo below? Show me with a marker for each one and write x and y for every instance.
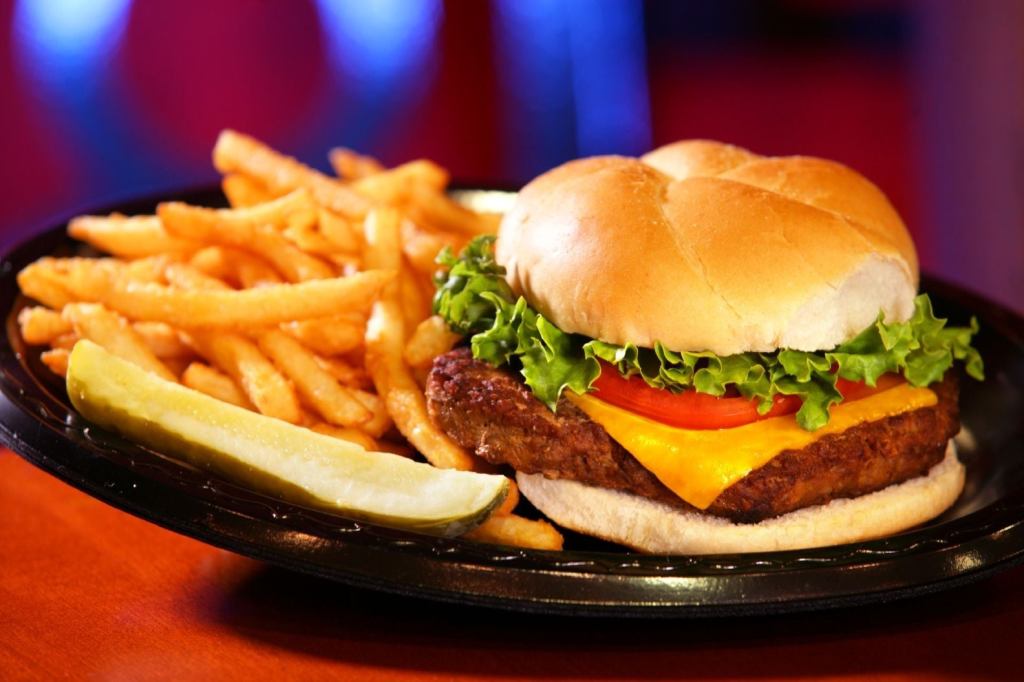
(609, 76)
(63, 49)
(379, 42)
(534, 63)
(63, 39)
(576, 76)
(385, 52)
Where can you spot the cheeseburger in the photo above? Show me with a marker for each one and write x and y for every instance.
(705, 350)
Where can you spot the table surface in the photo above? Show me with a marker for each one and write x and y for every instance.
(89, 592)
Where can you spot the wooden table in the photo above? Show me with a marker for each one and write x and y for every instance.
(89, 592)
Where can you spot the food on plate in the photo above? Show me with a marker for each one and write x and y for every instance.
(259, 378)
(351, 165)
(235, 153)
(235, 267)
(705, 350)
(40, 326)
(385, 336)
(96, 323)
(56, 283)
(502, 526)
(268, 454)
(338, 404)
(260, 229)
(127, 236)
(214, 383)
(430, 339)
(299, 303)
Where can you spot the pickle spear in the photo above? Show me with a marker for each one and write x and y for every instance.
(275, 457)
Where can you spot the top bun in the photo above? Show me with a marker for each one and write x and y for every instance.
(706, 246)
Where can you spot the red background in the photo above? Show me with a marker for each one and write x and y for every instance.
(108, 99)
(111, 98)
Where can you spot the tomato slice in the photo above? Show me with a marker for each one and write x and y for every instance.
(692, 410)
(855, 390)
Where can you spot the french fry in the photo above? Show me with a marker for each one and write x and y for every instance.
(215, 262)
(163, 340)
(56, 282)
(421, 247)
(328, 335)
(427, 288)
(128, 237)
(350, 165)
(351, 435)
(348, 374)
(347, 264)
(397, 185)
(421, 375)
(296, 208)
(431, 338)
(56, 360)
(489, 223)
(340, 232)
(242, 191)
(46, 281)
(381, 231)
(308, 239)
(65, 341)
(39, 326)
(380, 422)
(149, 269)
(385, 340)
(516, 531)
(231, 228)
(430, 207)
(35, 284)
(235, 266)
(511, 500)
(176, 365)
(110, 330)
(237, 153)
(246, 309)
(206, 379)
(416, 307)
(253, 272)
(185, 276)
(335, 403)
(240, 359)
(85, 279)
(422, 172)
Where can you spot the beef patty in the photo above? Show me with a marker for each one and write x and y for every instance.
(491, 412)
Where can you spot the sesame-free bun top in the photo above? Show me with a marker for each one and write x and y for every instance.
(706, 246)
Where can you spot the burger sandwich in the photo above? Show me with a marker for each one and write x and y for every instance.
(705, 350)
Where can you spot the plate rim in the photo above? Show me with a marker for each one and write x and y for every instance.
(460, 571)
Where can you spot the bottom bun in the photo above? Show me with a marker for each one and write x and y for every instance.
(649, 526)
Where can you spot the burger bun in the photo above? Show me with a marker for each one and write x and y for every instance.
(652, 527)
(705, 246)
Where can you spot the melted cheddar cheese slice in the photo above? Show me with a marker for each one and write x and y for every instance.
(697, 465)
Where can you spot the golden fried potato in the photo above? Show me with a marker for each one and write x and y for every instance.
(262, 383)
(237, 153)
(105, 328)
(129, 237)
(516, 531)
(216, 384)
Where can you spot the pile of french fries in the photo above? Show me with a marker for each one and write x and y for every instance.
(308, 300)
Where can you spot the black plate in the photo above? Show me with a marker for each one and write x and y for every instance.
(983, 533)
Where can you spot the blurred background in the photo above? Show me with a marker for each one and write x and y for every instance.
(107, 99)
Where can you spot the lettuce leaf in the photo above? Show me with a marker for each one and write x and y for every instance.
(474, 298)
(463, 283)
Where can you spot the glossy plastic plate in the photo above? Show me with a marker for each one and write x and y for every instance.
(983, 533)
